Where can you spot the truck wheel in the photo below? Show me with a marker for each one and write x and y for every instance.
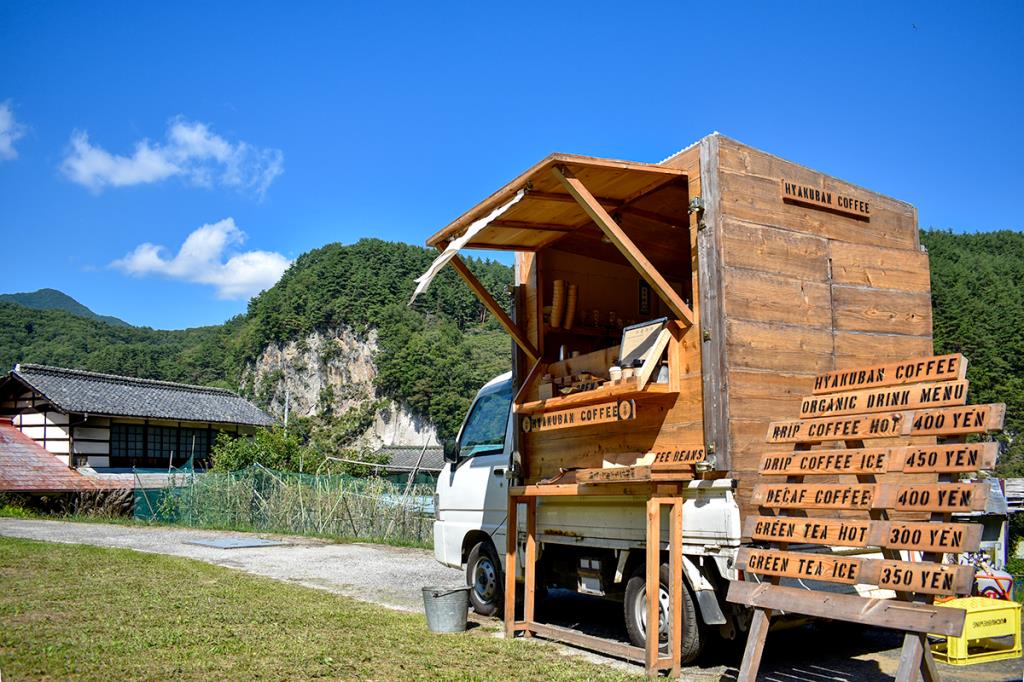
(484, 576)
(635, 608)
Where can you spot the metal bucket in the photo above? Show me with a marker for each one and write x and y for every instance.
(446, 608)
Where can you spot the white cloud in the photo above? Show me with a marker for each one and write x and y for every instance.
(10, 132)
(191, 151)
(201, 259)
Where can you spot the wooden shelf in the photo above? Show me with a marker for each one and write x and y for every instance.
(620, 390)
(634, 489)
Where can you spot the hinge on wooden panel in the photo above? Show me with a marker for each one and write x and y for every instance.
(697, 206)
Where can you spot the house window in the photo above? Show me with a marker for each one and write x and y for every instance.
(195, 443)
(126, 440)
(163, 444)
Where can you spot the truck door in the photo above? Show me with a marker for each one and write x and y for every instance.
(472, 493)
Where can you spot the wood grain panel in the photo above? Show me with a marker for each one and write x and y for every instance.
(882, 311)
(754, 345)
(756, 199)
(762, 297)
(782, 252)
(881, 268)
(854, 349)
(767, 395)
(740, 158)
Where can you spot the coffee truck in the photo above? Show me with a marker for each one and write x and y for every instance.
(664, 314)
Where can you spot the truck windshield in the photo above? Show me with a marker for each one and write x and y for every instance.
(484, 432)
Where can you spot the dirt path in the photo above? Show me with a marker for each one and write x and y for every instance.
(390, 576)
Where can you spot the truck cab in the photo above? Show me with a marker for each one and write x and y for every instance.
(471, 506)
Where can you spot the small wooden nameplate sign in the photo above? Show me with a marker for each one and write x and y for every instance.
(800, 193)
(602, 413)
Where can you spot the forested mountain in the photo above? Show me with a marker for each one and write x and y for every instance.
(51, 299)
(978, 310)
(433, 357)
(56, 337)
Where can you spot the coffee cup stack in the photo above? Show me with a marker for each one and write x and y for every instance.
(557, 303)
(570, 306)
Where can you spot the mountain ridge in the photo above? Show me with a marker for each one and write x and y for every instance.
(55, 299)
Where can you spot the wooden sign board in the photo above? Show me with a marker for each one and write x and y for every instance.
(614, 474)
(603, 413)
(798, 193)
(857, 427)
(944, 421)
(904, 576)
(886, 399)
(922, 537)
(683, 456)
(922, 459)
(638, 473)
(957, 420)
(812, 496)
(929, 497)
(935, 368)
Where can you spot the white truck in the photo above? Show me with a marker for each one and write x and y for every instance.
(596, 548)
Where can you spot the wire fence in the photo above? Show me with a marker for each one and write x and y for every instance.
(369, 509)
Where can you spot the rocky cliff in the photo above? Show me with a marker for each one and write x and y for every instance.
(332, 372)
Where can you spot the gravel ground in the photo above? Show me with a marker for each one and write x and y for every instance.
(393, 576)
(390, 576)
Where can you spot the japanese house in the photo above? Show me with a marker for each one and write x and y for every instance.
(109, 421)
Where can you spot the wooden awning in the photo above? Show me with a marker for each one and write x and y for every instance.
(548, 211)
(564, 193)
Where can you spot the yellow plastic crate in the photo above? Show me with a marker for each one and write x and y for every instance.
(987, 619)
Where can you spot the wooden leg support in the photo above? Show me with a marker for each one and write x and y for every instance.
(511, 533)
(530, 563)
(653, 583)
(675, 615)
(755, 646)
(651, 656)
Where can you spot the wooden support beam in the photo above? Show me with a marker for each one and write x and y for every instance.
(850, 608)
(492, 305)
(654, 217)
(531, 378)
(653, 582)
(624, 244)
(539, 227)
(557, 197)
(530, 563)
(511, 538)
(675, 571)
(487, 246)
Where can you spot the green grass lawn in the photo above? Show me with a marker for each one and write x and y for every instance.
(112, 614)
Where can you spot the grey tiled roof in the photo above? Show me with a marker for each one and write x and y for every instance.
(404, 457)
(73, 390)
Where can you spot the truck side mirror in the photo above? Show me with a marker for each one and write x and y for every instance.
(451, 450)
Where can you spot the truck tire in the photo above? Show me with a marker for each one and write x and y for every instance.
(635, 611)
(486, 580)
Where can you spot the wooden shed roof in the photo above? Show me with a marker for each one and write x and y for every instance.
(78, 391)
(25, 467)
(548, 212)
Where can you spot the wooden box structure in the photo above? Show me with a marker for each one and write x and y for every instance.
(769, 274)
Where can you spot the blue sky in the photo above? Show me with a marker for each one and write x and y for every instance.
(264, 130)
